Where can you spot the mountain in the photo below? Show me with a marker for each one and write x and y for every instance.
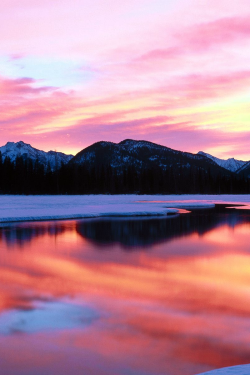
(128, 167)
(142, 155)
(231, 164)
(244, 170)
(26, 151)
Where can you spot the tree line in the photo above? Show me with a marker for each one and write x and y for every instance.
(23, 176)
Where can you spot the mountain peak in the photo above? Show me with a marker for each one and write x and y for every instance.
(126, 141)
(9, 144)
(26, 151)
(129, 141)
(21, 143)
(138, 143)
(18, 144)
(230, 164)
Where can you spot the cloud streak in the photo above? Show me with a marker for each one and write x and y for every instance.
(163, 66)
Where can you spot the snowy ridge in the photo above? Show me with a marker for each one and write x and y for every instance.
(235, 370)
(132, 145)
(230, 164)
(141, 155)
(26, 151)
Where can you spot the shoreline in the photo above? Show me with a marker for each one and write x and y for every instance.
(44, 208)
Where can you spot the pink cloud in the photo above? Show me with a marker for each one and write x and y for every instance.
(162, 57)
(184, 136)
(192, 40)
(199, 87)
(39, 106)
(160, 54)
(26, 106)
(21, 86)
(216, 33)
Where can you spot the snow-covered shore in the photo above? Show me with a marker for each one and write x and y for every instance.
(235, 370)
(31, 208)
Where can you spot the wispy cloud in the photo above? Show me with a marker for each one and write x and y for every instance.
(144, 67)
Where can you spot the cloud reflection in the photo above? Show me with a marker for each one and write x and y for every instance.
(179, 307)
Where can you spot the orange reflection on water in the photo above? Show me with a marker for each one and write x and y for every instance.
(177, 307)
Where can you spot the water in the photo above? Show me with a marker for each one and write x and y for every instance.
(126, 296)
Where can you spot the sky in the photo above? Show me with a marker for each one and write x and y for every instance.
(174, 72)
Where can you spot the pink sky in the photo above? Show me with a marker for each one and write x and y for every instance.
(175, 72)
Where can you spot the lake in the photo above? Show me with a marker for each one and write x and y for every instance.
(126, 296)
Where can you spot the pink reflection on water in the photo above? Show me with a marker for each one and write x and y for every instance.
(244, 207)
(179, 307)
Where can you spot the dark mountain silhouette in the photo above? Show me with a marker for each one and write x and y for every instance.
(141, 155)
(127, 167)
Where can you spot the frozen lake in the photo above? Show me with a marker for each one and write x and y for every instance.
(160, 295)
(30, 208)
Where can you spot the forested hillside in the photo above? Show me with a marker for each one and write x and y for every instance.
(29, 177)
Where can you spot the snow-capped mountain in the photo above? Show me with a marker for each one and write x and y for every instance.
(15, 149)
(231, 164)
(142, 155)
(128, 153)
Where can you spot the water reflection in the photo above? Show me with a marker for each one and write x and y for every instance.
(19, 235)
(137, 233)
(46, 316)
(145, 233)
(175, 305)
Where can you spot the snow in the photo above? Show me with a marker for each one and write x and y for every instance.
(135, 145)
(235, 370)
(231, 164)
(87, 157)
(13, 150)
(29, 208)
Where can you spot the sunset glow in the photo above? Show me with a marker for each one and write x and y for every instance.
(177, 306)
(171, 72)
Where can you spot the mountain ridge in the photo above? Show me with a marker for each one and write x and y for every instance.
(139, 153)
(231, 164)
(128, 167)
(142, 155)
(13, 150)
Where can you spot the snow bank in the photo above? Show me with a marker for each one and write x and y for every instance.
(236, 370)
(31, 208)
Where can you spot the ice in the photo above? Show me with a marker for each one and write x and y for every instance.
(236, 370)
(29, 208)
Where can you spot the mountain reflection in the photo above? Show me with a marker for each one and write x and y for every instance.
(129, 233)
(179, 307)
(133, 233)
(21, 234)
